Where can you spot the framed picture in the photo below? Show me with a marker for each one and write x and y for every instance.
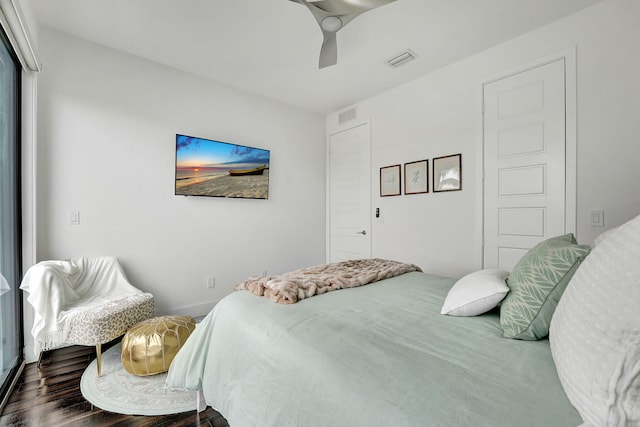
(447, 173)
(416, 177)
(390, 181)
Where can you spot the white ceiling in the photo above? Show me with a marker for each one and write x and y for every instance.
(271, 47)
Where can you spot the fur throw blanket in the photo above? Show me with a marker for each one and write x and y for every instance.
(290, 287)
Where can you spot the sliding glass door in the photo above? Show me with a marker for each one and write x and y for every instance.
(11, 341)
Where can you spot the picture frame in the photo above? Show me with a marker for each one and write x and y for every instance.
(447, 173)
(416, 177)
(390, 181)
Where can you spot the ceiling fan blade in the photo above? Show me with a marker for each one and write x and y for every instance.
(318, 13)
(338, 7)
(329, 50)
(369, 4)
(341, 7)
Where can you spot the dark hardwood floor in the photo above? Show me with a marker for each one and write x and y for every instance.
(50, 396)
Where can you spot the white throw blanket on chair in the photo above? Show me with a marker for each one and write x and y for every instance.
(59, 289)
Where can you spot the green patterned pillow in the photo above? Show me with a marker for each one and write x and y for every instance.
(536, 285)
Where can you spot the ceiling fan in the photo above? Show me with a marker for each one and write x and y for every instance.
(332, 16)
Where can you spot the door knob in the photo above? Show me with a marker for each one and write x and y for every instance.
(363, 232)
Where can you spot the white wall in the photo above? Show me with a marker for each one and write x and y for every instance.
(106, 148)
(440, 114)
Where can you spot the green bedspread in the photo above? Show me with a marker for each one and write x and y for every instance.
(378, 355)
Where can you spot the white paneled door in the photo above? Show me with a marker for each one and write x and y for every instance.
(350, 194)
(524, 162)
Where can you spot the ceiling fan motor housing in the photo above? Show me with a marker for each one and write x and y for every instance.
(331, 24)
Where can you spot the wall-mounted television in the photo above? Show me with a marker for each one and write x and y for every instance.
(206, 167)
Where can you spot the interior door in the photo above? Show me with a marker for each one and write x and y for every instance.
(524, 162)
(350, 194)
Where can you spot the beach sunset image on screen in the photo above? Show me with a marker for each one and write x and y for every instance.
(206, 167)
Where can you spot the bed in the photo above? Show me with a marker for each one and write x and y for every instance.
(383, 354)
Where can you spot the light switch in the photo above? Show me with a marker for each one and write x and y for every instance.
(74, 218)
(596, 218)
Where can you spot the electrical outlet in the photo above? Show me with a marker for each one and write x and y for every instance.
(264, 273)
(211, 282)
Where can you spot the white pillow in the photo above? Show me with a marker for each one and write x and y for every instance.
(595, 331)
(476, 293)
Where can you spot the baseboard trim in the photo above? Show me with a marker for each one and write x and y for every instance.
(29, 353)
(195, 311)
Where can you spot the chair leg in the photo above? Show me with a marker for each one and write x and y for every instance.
(99, 358)
(42, 355)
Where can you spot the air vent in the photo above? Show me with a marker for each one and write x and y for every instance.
(347, 115)
(401, 59)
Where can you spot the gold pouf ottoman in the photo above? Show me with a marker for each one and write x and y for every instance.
(148, 347)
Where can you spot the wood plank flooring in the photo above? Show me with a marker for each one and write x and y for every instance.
(50, 396)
